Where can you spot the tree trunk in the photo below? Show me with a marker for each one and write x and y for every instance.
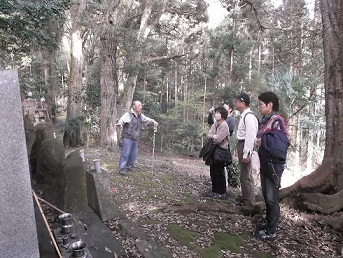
(115, 17)
(50, 78)
(176, 85)
(130, 87)
(322, 190)
(72, 133)
(109, 89)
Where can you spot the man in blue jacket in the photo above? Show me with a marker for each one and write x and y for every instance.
(272, 141)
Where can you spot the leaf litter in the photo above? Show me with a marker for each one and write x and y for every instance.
(144, 197)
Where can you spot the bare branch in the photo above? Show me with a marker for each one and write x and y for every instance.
(262, 28)
(159, 58)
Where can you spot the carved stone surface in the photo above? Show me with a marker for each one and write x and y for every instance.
(75, 196)
(18, 234)
(100, 198)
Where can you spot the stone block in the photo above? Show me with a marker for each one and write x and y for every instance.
(99, 195)
(75, 196)
(18, 234)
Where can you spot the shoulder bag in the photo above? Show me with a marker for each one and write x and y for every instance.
(222, 157)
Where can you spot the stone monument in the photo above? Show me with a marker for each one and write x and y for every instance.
(99, 194)
(18, 234)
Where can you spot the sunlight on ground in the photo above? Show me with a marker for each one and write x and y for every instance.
(291, 175)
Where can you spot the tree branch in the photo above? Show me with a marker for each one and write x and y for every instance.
(312, 93)
(262, 28)
(159, 58)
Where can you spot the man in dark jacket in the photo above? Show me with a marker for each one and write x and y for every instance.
(272, 140)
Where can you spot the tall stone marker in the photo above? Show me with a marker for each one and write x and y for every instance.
(18, 234)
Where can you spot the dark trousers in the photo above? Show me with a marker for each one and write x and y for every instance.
(217, 174)
(270, 192)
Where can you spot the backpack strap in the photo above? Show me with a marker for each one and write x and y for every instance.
(278, 119)
(250, 112)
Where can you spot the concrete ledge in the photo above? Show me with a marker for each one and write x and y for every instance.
(100, 239)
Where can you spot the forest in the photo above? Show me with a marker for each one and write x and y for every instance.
(93, 58)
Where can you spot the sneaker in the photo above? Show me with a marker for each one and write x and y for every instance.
(220, 196)
(131, 168)
(261, 226)
(122, 171)
(264, 235)
(209, 194)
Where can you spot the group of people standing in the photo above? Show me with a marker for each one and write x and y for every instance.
(250, 131)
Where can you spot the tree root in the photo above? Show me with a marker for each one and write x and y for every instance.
(217, 207)
(190, 208)
(325, 204)
(333, 221)
(321, 191)
(320, 180)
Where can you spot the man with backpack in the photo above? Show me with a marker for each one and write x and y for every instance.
(246, 135)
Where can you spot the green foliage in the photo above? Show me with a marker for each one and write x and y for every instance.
(32, 82)
(93, 91)
(224, 241)
(221, 241)
(295, 92)
(92, 100)
(25, 24)
(156, 195)
(179, 137)
(27, 29)
(184, 236)
(233, 172)
(73, 126)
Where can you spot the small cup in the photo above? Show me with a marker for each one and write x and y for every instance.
(78, 248)
(82, 154)
(97, 165)
(65, 219)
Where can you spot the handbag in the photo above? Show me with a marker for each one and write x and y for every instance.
(222, 157)
(255, 161)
